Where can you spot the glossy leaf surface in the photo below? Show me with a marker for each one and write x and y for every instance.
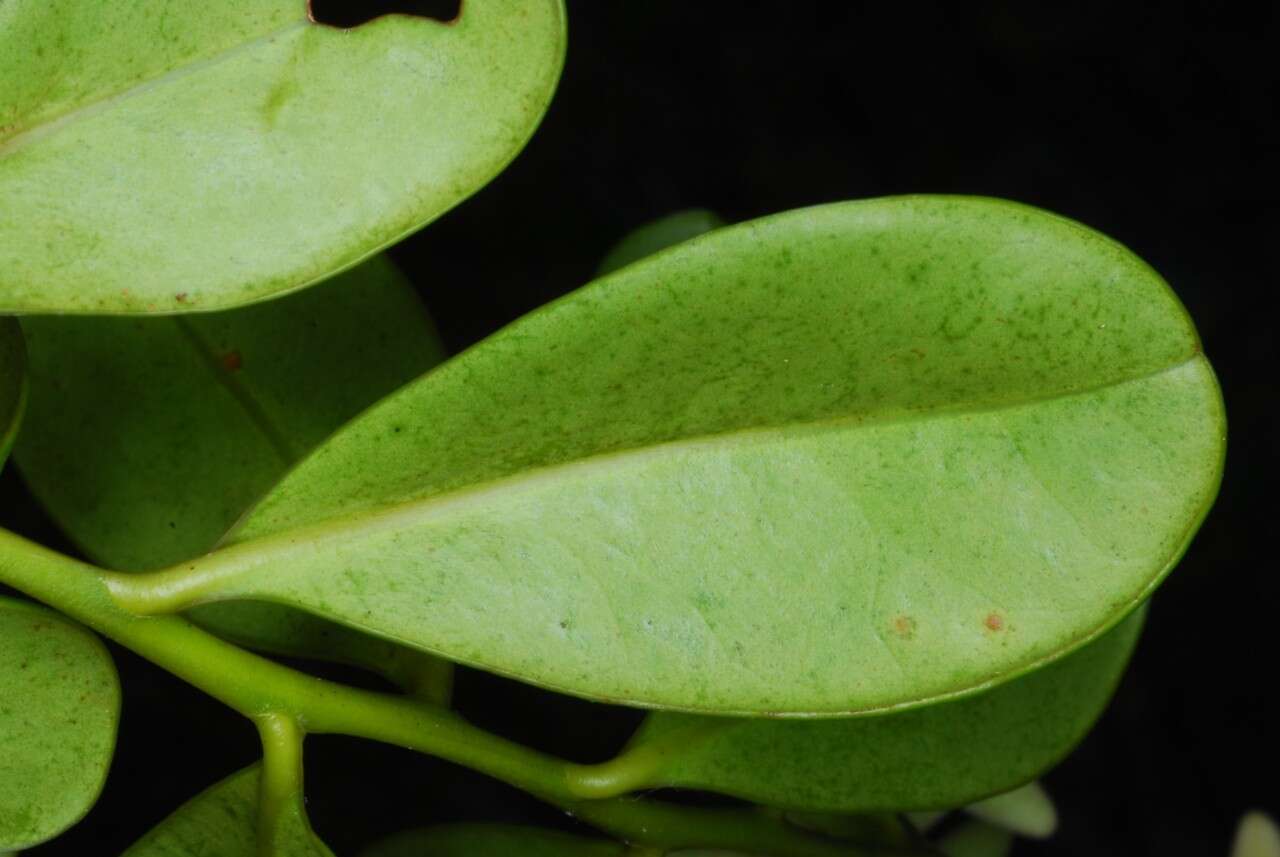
(13, 381)
(59, 706)
(659, 235)
(839, 460)
(150, 437)
(939, 756)
(491, 840)
(221, 821)
(170, 155)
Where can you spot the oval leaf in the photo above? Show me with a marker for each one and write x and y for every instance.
(231, 126)
(491, 840)
(659, 235)
(219, 406)
(939, 756)
(222, 820)
(845, 459)
(13, 383)
(59, 707)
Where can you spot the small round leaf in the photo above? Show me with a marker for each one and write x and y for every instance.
(59, 707)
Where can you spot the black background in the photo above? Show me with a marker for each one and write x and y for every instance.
(1154, 124)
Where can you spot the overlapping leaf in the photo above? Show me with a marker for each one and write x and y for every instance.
(491, 840)
(149, 437)
(845, 459)
(59, 706)
(976, 839)
(937, 757)
(222, 820)
(13, 383)
(170, 155)
(659, 235)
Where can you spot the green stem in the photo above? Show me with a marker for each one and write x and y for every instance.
(285, 703)
(640, 766)
(422, 676)
(280, 777)
(256, 687)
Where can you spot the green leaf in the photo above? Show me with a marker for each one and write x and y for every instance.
(59, 707)
(13, 383)
(260, 152)
(845, 459)
(491, 840)
(975, 839)
(939, 756)
(1026, 811)
(883, 830)
(221, 821)
(1257, 835)
(659, 235)
(150, 437)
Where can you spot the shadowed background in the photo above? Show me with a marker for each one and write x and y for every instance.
(1156, 126)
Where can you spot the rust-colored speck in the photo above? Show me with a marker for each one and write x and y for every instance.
(994, 622)
(904, 626)
(232, 361)
(180, 297)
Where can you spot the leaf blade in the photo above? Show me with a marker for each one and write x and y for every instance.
(150, 437)
(248, 110)
(58, 719)
(760, 390)
(13, 383)
(937, 757)
(222, 820)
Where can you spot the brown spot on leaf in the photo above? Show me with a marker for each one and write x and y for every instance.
(180, 297)
(232, 361)
(994, 622)
(904, 626)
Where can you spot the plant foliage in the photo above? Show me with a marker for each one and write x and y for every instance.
(864, 500)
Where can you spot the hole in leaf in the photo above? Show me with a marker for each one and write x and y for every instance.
(346, 14)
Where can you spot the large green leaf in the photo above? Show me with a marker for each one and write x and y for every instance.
(13, 383)
(844, 459)
(150, 437)
(491, 840)
(59, 706)
(221, 822)
(936, 757)
(171, 155)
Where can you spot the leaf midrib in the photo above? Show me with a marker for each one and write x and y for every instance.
(240, 392)
(388, 516)
(26, 136)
